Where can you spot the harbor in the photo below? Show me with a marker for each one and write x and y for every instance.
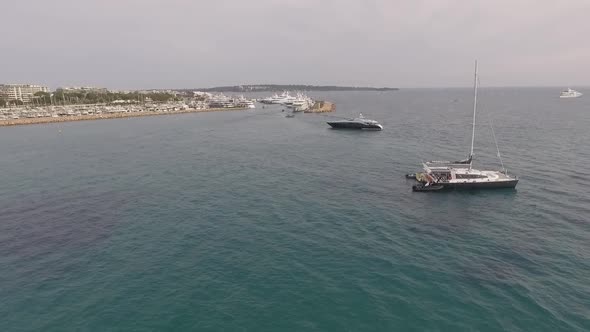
(66, 105)
(107, 114)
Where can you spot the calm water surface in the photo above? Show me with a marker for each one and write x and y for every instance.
(249, 221)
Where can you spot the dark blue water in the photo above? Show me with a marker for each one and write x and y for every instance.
(250, 221)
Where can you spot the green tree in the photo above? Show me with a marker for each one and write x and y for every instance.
(43, 97)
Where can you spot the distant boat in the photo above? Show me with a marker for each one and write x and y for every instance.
(570, 93)
(356, 123)
(284, 99)
(302, 103)
(244, 103)
(290, 115)
(442, 175)
(268, 100)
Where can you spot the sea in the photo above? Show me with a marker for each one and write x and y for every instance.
(251, 221)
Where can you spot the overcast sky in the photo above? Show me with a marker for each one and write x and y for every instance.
(133, 44)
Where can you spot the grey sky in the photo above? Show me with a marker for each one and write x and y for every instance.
(129, 44)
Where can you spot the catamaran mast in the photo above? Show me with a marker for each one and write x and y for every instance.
(474, 110)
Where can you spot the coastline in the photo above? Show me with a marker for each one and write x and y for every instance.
(32, 121)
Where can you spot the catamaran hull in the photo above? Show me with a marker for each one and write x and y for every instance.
(468, 186)
(482, 185)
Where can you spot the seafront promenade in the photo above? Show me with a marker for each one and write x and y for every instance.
(30, 121)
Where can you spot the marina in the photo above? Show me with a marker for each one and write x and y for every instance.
(16, 120)
(192, 102)
(198, 102)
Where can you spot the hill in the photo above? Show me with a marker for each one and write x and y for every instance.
(288, 87)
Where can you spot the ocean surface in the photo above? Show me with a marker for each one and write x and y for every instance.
(250, 221)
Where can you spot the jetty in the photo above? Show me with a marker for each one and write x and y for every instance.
(322, 107)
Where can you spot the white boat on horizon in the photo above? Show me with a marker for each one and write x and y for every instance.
(570, 93)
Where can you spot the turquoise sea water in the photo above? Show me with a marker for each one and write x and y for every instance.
(250, 221)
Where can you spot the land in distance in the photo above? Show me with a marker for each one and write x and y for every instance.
(288, 87)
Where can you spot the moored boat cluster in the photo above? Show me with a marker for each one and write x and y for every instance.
(300, 102)
(58, 111)
(200, 101)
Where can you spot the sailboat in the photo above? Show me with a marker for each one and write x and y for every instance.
(445, 175)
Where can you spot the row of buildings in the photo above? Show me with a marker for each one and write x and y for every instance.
(21, 92)
(26, 92)
(85, 89)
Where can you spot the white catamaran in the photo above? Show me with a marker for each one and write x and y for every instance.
(441, 175)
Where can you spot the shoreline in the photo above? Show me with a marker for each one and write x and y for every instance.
(89, 117)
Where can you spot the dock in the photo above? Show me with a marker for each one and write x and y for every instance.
(322, 107)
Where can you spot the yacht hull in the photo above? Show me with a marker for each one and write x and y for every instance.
(354, 125)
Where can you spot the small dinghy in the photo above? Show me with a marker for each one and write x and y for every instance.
(428, 187)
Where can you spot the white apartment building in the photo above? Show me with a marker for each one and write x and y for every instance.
(22, 92)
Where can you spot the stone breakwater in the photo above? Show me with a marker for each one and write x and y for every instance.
(29, 121)
(322, 107)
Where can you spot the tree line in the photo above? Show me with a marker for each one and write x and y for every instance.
(291, 87)
(61, 96)
(91, 97)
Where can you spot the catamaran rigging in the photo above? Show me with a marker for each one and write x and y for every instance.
(439, 175)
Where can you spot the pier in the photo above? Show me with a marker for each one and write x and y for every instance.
(322, 107)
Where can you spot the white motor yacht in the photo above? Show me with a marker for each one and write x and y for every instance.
(269, 100)
(570, 93)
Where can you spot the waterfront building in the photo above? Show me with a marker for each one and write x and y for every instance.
(85, 89)
(22, 92)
